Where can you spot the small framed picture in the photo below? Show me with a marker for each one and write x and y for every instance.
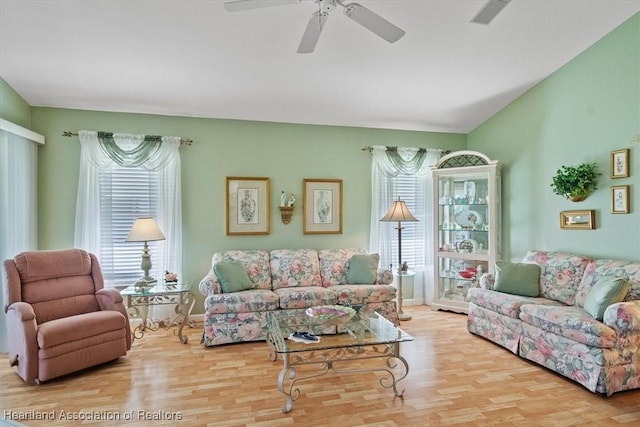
(620, 163)
(247, 205)
(620, 199)
(322, 206)
(578, 220)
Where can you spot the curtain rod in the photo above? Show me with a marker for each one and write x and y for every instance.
(370, 149)
(183, 141)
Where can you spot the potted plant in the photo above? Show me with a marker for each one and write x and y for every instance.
(576, 183)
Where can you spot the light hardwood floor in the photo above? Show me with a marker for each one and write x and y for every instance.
(455, 379)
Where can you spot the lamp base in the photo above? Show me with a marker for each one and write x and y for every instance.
(404, 316)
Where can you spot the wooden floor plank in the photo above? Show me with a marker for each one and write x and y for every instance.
(455, 379)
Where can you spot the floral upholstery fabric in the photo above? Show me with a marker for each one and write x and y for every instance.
(607, 267)
(285, 279)
(305, 296)
(242, 302)
(501, 329)
(290, 268)
(334, 265)
(363, 294)
(503, 303)
(570, 322)
(556, 332)
(256, 262)
(560, 273)
(228, 328)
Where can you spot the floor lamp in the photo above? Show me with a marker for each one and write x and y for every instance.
(399, 213)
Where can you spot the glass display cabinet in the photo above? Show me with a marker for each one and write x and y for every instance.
(466, 225)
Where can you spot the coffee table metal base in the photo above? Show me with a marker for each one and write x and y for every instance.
(395, 367)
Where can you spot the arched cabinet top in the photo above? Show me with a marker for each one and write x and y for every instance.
(464, 158)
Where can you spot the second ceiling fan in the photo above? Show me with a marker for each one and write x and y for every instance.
(363, 16)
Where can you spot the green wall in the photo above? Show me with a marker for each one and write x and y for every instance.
(581, 113)
(286, 153)
(13, 107)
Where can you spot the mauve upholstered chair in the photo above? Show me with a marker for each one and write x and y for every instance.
(60, 319)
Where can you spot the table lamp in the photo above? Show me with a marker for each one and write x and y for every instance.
(145, 230)
(399, 212)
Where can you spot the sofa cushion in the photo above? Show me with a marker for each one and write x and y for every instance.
(506, 304)
(256, 264)
(363, 269)
(334, 264)
(250, 301)
(570, 322)
(60, 331)
(363, 294)
(305, 296)
(609, 290)
(232, 276)
(560, 273)
(629, 270)
(294, 267)
(517, 278)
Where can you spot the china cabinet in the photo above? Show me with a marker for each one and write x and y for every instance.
(466, 225)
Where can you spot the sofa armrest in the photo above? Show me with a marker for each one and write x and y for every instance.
(486, 281)
(384, 277)
(209, 285)
(22, 340)
(623, 316)
(111, 299)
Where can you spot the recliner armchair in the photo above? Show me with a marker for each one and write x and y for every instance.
(60, 319)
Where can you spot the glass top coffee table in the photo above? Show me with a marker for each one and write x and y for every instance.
(367, 335)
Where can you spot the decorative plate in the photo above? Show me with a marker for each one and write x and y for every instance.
(326, 313)
(467, 245)
(466, 218)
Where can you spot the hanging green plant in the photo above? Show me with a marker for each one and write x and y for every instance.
(576, 183)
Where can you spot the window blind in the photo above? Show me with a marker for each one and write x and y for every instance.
(125, 194)
(411, 190)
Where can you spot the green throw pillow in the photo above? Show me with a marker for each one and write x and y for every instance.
(608, 290)
(517, 278)
(363, 269)
(232, 276)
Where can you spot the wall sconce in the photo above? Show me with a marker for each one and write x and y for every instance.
(286, 212)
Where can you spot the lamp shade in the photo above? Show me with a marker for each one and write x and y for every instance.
(145, 229)
(399, 212)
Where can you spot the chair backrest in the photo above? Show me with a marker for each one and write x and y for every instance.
(56, 284)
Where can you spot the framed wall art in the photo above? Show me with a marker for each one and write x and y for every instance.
(620, 199)
(578, 220)
(620, 163)
(322, 206)
(247, 205)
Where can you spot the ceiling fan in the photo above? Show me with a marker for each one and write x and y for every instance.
(363, 16)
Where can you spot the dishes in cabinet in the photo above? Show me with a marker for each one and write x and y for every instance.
(469, 189)
(468, 246)
(467, 218)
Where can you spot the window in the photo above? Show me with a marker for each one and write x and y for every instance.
(411, 190)
(125, 194)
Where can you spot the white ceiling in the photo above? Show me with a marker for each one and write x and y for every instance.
(193, 58)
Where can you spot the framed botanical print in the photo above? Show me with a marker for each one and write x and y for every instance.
(247, 206)
(620, 199)
(322, 206)
(620, 163)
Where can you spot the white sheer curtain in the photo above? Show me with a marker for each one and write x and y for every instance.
(385, 171)
(166, 161)
(18, 203)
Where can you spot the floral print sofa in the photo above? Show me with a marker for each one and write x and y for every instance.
(286, 279)
(555, 331)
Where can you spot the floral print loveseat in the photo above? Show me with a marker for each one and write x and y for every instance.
(287, 279)
(555, 331)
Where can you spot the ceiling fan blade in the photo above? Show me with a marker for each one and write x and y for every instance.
(373, 22)
(312, 33)
(489, 11)
(240, 5)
